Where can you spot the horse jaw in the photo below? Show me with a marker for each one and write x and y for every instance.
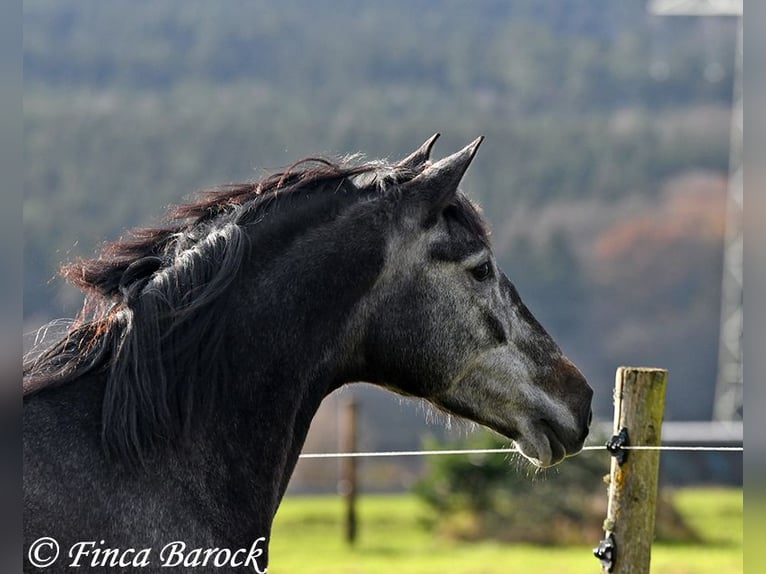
(497, 390)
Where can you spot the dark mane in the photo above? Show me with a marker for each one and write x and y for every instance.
(145, 291)
(103, 275)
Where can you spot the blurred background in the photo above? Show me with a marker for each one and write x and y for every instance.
(604, 175)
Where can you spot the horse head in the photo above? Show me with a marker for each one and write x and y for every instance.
(447, 325)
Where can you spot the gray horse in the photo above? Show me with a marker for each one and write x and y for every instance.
(163, 428)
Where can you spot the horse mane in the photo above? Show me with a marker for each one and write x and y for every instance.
(153, 314)
(104, 275)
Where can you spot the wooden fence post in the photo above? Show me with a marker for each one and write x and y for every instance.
(348, 472)
(639, 405)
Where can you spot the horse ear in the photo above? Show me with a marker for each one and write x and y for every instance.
(437, 185)
(416, 161)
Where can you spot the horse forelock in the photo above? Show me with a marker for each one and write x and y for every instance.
(469, 215)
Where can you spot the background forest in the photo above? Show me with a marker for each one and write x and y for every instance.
(603, 172)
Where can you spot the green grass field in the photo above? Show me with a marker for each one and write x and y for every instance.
(307, 538)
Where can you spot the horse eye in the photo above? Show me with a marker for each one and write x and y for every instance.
(482, 272)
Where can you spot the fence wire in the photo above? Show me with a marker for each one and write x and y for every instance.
(391, 453)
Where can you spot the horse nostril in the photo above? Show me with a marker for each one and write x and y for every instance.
(590, 417)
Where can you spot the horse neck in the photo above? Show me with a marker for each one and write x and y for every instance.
(290, 338)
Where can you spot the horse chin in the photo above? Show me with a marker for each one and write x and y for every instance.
(541, 449)
(536, 441)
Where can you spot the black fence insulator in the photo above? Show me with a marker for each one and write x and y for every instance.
(614, 445)
(606, 552)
